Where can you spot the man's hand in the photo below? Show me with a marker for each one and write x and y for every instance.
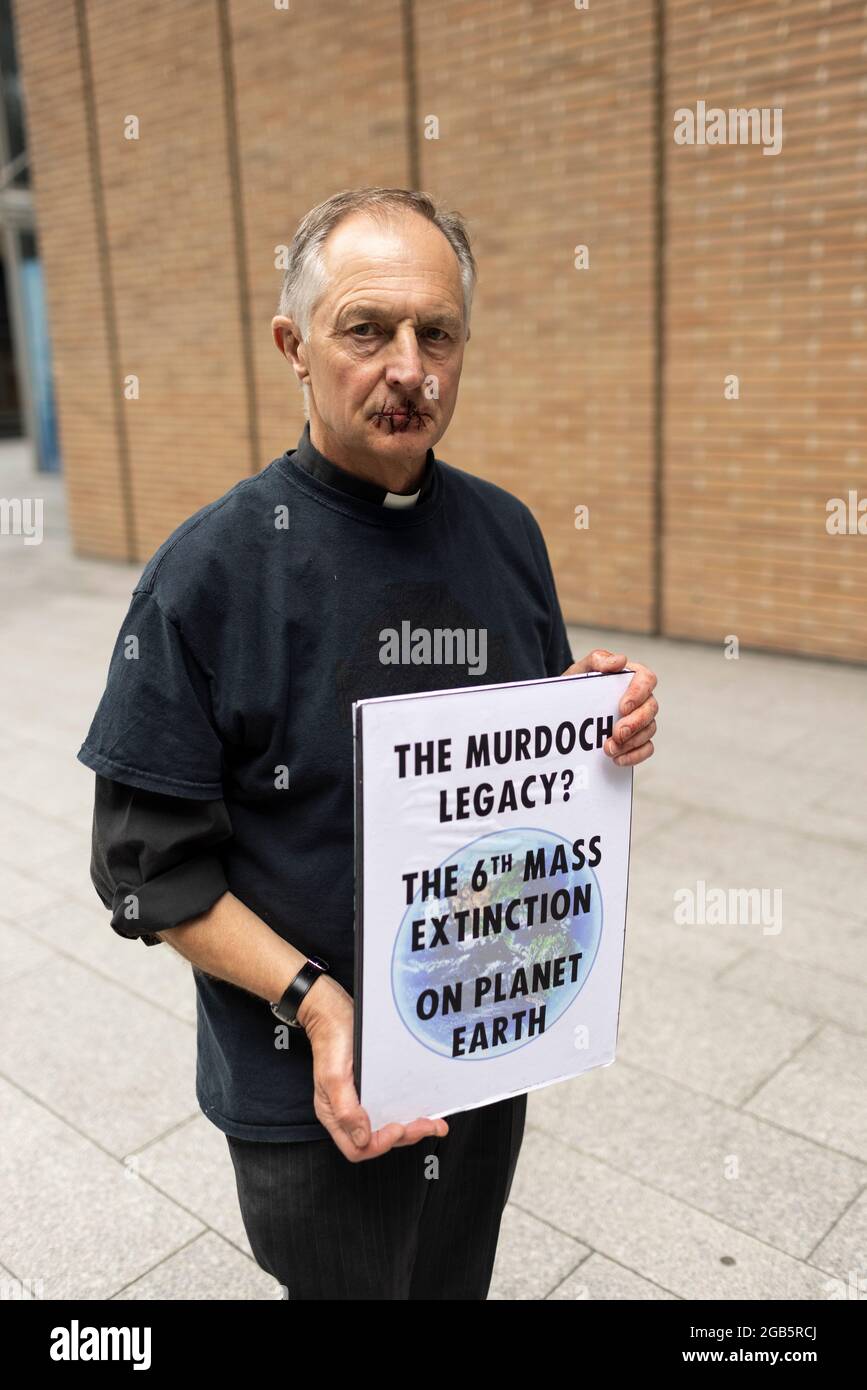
(630, 742)
(326, 1013)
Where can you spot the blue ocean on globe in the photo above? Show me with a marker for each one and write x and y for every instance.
(503, 951)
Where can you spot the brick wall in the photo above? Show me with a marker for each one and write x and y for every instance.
(579, 387)
(766, 278)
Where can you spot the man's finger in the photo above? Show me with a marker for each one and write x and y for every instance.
(391, 1136)
(423, 1129)
(638, 755)
(641, 736)
(379, 1142)
(639, 688)
(633, 724)
(351, 1130)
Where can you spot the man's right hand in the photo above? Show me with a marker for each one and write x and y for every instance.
(326, 1014)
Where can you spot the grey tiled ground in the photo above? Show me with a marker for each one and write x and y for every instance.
(723, 1155)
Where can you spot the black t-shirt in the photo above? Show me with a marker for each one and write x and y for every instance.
(253, 628)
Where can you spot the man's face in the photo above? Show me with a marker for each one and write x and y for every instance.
(386, 344)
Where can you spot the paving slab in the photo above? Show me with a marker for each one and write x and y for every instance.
(600, 1280)
(712, 1039)
(207, 1268)
(155, 973)
(71, 1216)
(192, 1165)
(785, 1190)
(821, 1092)
(843, 1252)
(808, 989)
(555, 1256)
(115, 1067)
(666, 1241)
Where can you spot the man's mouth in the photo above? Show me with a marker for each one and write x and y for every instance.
(400, 419)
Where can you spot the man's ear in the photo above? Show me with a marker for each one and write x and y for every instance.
(284, 330)
(290, 344)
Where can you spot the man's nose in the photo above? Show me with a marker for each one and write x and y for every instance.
(405, 367)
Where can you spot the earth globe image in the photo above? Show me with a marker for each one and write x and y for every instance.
(421, 978)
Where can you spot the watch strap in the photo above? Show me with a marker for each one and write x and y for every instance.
(286, 1008)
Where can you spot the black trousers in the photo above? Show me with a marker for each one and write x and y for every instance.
(421, 1222)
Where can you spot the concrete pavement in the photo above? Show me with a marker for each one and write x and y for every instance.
(723, 1155)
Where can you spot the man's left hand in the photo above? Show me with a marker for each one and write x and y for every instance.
(630, 742)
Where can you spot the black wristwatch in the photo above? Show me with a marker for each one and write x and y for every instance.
(288, 1005)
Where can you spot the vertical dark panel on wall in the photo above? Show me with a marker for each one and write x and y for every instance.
(659, 324)
(236, 194)
(412, 130)
(97, 188)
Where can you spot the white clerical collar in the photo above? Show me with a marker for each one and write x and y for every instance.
(400, 499)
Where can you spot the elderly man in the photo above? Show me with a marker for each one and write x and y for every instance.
(223, 818)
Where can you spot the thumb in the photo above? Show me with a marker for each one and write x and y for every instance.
(597, 660)
(353, 1117)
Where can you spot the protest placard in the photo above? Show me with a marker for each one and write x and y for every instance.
(492, 858)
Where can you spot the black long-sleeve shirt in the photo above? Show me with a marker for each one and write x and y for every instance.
(223, 742)
(154, 858)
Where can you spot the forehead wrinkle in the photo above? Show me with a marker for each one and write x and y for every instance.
(367, 277)
(394, 259)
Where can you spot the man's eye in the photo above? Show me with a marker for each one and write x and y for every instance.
(355, 330)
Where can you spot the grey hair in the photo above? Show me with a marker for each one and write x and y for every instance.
(306, 279)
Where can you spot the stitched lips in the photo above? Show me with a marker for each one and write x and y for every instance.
(401, 417)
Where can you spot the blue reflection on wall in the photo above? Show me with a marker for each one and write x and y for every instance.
(39, 356)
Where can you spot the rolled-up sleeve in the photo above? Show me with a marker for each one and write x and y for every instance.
(155, 858)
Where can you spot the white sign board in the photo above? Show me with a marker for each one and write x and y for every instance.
(492, 859)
